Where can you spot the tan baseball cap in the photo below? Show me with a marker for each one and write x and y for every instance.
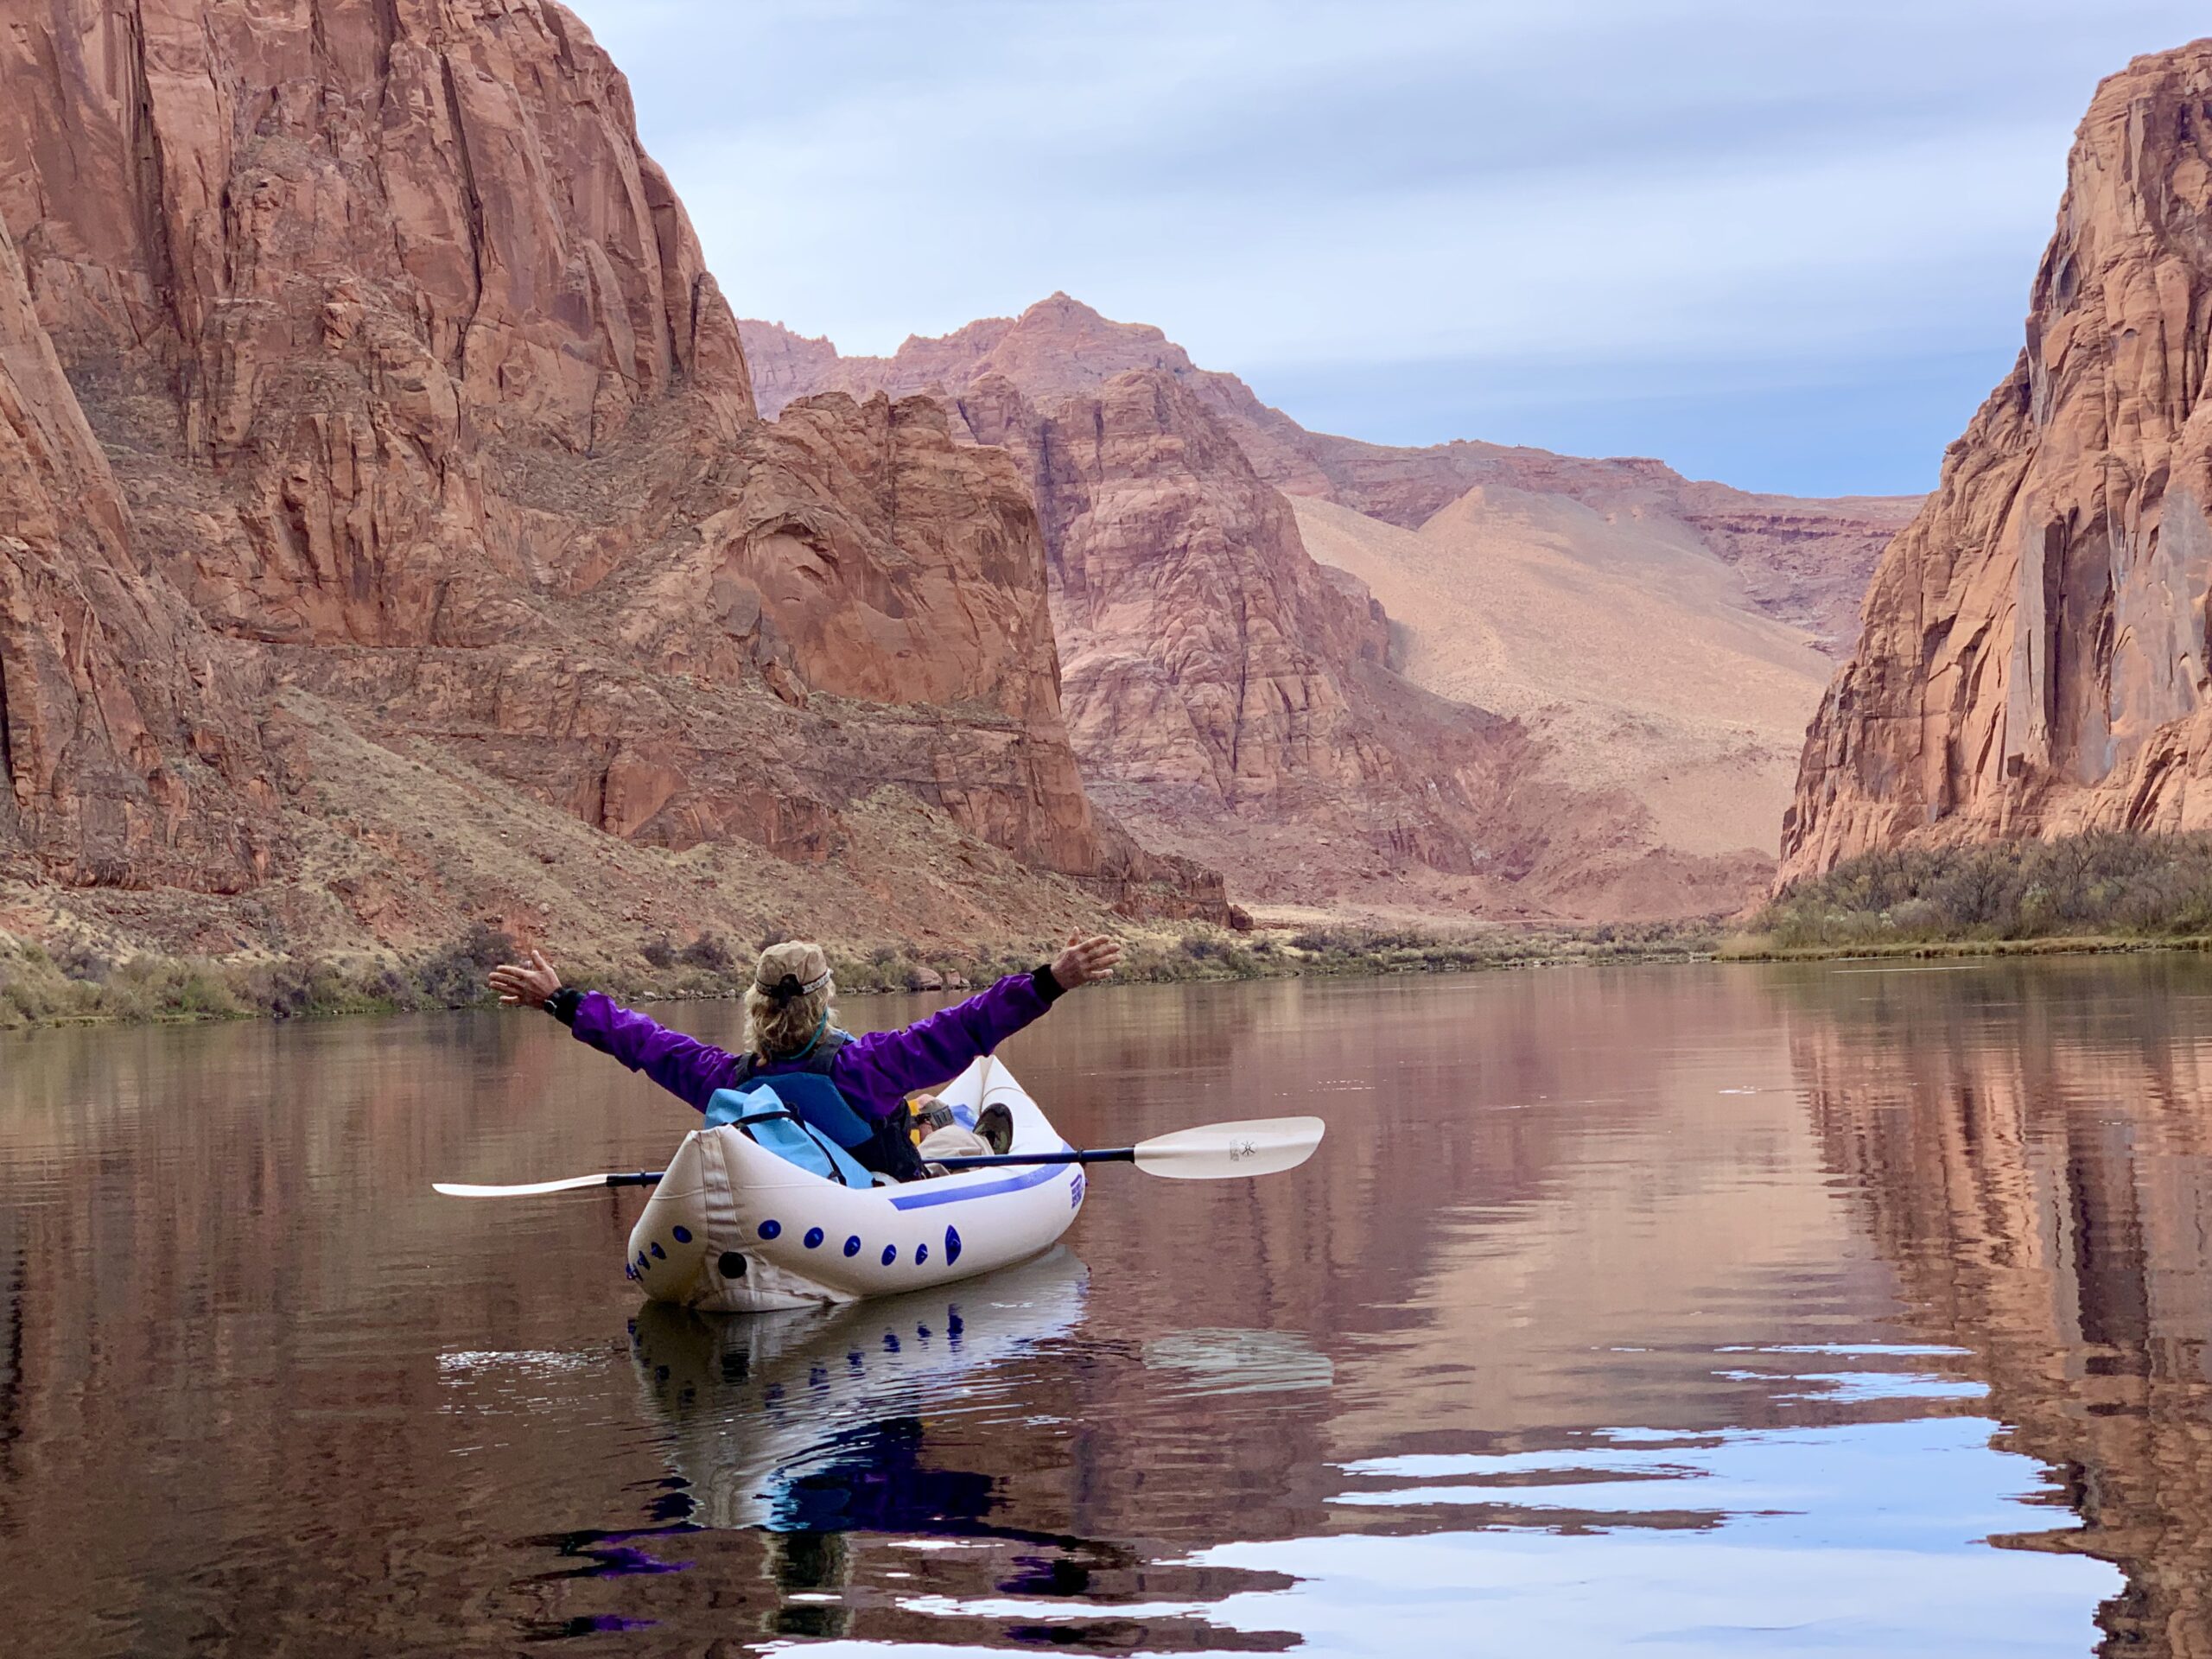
(800, 962)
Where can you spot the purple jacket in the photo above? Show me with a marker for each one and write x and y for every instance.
(875, 1072)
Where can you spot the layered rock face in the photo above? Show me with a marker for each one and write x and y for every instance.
(1224, 689)
(2034, 658)
(395, 382)
(124, 730)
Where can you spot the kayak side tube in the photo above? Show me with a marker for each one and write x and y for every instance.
(732, 1228)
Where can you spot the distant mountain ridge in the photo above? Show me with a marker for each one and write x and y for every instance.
(1804, 560)
(1649, 641)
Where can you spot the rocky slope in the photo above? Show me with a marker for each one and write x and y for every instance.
(1625, 620)
(363, 394)
(2034, 659)
(1631, 651)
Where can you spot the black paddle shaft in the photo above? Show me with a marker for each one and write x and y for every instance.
(1105, 1155)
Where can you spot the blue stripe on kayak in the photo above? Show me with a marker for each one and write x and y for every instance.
(1014, 1183)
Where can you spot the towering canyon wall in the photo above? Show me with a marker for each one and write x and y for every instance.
(361, 378)
(2034, 655)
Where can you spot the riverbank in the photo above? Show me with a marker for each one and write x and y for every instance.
(1754, 949)
(40, 988)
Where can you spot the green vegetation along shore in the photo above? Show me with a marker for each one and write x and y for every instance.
(39, 986)
(2104, 890)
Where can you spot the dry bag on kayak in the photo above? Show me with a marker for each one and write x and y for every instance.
(761, 1115)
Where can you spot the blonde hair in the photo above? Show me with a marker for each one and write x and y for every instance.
(776, 1031)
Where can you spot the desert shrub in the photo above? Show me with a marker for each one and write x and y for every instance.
(2103, 882)
(707, 952)
(453, 977)
(79, 960)
(658, 951)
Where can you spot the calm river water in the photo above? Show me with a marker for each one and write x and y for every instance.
(1849, 1309)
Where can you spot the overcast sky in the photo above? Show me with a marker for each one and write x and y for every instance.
(1783, 243)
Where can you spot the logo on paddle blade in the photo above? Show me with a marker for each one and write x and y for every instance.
(1243, 1150)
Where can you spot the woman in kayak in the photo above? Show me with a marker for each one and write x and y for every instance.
(861, 1099)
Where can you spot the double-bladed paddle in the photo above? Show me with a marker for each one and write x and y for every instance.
(1212, 1152)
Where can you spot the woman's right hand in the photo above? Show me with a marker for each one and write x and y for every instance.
(1086, 961)
(532, 987)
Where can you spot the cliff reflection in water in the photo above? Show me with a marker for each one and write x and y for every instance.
(2029, 1146)
(1584, 1333)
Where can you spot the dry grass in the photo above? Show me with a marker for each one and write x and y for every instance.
(2104, 889)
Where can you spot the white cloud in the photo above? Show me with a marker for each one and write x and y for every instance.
(1284, 186)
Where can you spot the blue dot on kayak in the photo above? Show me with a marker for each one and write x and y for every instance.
(921, 1254)
(684, 1235)
(853, 1245)
(659, 1253)
(890, 1253)
(951, 1245)
(813, 1239)
(771, 1228)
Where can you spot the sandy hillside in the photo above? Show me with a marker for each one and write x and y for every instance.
(1619, 638)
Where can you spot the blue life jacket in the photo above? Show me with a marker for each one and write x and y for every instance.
(805, 1085)
(768, 1120)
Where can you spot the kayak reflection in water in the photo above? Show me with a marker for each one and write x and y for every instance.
(818, 1421)
(852, 1089)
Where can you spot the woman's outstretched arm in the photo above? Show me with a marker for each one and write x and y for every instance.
(686, 1067)
(879, 1071)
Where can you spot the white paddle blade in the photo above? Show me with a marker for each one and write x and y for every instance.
(461, 1189)
(1213, 1152)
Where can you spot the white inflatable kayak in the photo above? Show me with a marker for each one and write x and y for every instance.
(732, 1227)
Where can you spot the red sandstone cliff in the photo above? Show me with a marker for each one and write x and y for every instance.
(2034, 657)
(360, 380)
(1229, 696)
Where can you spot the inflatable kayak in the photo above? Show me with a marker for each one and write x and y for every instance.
(734, 1228)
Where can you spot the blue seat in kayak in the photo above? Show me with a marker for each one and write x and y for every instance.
(769, 1120)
